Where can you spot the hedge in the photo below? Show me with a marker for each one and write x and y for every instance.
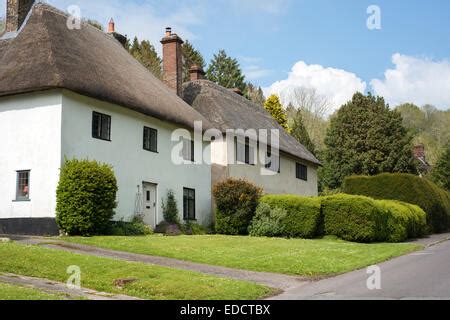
(268, 222)
(406, 188)
(85, 197)
(355, 218)
(303, 218)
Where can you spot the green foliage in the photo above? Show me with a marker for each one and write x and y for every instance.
(2, 25)
(236, 202)
(268, 222)
(275, 108)
(191, 57)
(441, 171)
(303, 219)
(406, 188)
(404, 220)
(254, 94)
(354, 218)
(226, 71)
(170, 208)
(136, 227)
(365, 137)
(429, 127)
(299, 132)
(86, 197)
(194, 229)
(145, 53)
(95, 24)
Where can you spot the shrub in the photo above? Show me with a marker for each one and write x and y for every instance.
(404, 220)
(406, 188)
(193, 228)
(236, 201)
(136, 227)
(86, 197)
(354, 218)
(170, 208)
(303, 218)
(268, 222)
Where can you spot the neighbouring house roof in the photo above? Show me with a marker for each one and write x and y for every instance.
(227, 110)
(46, 54)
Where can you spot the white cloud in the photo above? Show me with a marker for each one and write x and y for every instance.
(420, 81)
(337, 85)
(144, 19)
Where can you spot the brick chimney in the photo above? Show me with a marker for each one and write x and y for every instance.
(173, 61)
(16, 13)
(419, 151)
(112, 31)
(196, 73)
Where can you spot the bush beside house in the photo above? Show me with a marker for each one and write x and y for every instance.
(236, 201)
(86, 197)
(406, 188)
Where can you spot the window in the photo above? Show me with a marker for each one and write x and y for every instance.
(150, 139)
(273, 163)
(101, 126)
(188, 150)
(244, 152)
(188, 204)
(23, 186)
(301, 172)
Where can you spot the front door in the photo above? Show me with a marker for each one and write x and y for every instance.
(150, 204)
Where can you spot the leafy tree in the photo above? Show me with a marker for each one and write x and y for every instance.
(299, 132)
(254, 94)
(145, 53)
(365, 137)
(2, 24)
(191, 57)
(441, 172)
(274, 107)
(226, 71)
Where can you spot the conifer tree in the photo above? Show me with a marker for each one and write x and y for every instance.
(225, 71)
(274, 107)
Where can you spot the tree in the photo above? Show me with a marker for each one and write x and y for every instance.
(365, 137)
(170, 208)
(191, 56)
(2, 24)
(145, 53)
(225, 71)
(299, 132)
(274, 107)
(441, 172)
(254, 94)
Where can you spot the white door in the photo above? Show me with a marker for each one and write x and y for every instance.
(150, 204)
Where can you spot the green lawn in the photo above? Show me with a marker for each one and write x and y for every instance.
(153, 282)
(289, 256)
(13, 292)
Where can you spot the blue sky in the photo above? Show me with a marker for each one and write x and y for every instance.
(324, 44)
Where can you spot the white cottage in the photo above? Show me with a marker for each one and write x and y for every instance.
(79, 94)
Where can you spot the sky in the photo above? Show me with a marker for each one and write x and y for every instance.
(321, 44)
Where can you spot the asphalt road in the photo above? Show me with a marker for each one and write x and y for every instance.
(420, 275)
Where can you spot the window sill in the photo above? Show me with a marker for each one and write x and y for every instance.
(107, 140)
(151, 151)
(22, 200)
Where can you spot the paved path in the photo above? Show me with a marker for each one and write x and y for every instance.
(419, 275)
(278, 281)
(59, 288)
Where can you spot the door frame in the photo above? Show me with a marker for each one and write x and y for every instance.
(144, 183)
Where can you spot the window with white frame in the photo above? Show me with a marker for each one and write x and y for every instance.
(188, 150)
(23, 185)
(245, 152)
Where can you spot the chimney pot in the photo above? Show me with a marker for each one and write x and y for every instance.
(111, 26)
(168, 31)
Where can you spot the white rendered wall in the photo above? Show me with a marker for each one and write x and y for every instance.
(283, 183)
(30, 139)
(131, 163)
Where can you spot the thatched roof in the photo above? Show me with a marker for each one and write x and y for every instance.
(227, 110)
(46, 54)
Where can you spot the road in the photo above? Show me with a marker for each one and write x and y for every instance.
(420, 275)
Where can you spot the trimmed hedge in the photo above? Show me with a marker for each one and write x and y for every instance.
(406, 188)
(85, 197)
(268, 222)
(303, 218)
(355, 218)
